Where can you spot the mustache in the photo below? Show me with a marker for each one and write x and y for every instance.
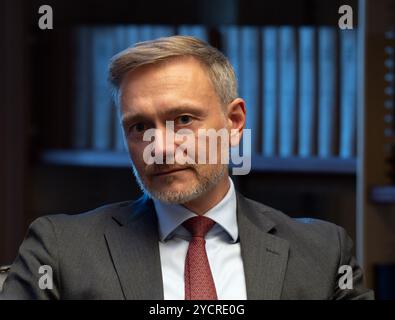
(155, 169)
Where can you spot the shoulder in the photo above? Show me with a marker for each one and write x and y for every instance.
(283, 220)
(304, 232)
(314, 245)
(86, 222)
(317, 251)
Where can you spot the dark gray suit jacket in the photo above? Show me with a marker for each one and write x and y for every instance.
(112, 253)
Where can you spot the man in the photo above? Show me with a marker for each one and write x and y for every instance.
(191, 236)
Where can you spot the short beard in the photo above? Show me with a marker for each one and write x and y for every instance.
(204, 185)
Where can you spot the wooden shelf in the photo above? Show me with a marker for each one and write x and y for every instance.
(307, 165)
(86, 158)
(383, 194)
(259, 163)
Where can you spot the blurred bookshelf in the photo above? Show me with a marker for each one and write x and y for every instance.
(299, 84)
(383, 195)
(320, 100)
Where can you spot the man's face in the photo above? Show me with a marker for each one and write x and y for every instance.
(176, 90)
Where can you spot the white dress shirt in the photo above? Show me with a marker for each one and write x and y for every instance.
(222, 246)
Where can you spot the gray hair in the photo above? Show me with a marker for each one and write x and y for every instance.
(219, 69)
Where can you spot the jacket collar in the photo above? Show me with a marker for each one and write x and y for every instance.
(264, 255)
(133, 238)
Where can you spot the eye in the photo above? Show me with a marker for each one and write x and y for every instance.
(183, 120)
(138, 127)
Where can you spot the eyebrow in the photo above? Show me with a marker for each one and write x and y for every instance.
(168, 112)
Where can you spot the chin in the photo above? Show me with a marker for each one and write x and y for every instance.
(174, 196)
(174, 187)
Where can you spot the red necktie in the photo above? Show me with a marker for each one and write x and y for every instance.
(199, 283)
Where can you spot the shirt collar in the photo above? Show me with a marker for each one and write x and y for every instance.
(171, 216)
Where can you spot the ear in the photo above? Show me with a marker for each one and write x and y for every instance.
(236, 117)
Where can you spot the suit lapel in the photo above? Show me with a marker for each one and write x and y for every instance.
(264, 255)
(132, 238)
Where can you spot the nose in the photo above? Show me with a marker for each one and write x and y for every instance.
(164, 144)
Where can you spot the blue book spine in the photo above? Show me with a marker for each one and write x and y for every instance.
(127, 37)
(162, 31)
(120, 43)
(287, 91)
(231, 47)
(102, 53)
(327, 91)
(230, 36)
(196, 31)
(82, 102)
(270, 65)
(249, 81)
(348, 57)
(131, 35)
(306, 90)
(145, 32)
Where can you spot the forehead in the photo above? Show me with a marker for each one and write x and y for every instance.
(165, 83)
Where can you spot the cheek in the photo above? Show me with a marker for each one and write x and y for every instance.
(214, 149)
(136, 153)
(206, 171)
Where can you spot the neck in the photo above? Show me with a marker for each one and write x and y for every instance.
(210, 198)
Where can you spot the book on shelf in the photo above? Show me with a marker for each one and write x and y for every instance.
(145, 32)
(327, 91)
(160, 31)
(102, 51)
(197, 31)
(82, 108)
(307, 91)
(347, 90)
(287, 90)
(231, 47)
(269, 88)
(131, 35)
(120, 42)
(249, 81)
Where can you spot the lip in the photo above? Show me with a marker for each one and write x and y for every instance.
(169, 172)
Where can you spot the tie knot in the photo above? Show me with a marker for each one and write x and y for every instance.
(199, 226)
